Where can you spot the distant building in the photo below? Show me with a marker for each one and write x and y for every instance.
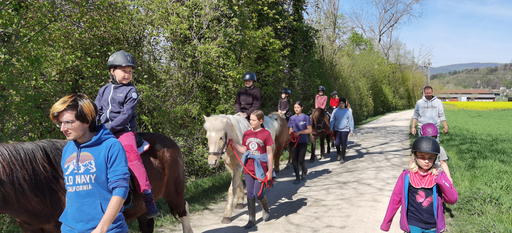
(467, 95)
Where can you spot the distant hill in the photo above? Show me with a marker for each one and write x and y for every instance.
(493, 77)
(463, 66)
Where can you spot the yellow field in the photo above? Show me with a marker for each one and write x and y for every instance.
(478, 106)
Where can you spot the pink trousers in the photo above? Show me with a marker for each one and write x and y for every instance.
(127, 139)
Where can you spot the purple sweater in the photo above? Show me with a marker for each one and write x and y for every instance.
(444, 190)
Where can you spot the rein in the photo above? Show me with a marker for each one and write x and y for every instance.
(264, 181)
(293, 138)
(221, 151)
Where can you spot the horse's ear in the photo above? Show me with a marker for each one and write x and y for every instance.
(205, 117)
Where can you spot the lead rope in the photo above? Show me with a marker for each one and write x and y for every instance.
(264, 181)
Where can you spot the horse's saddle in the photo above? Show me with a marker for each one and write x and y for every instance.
(142, 146)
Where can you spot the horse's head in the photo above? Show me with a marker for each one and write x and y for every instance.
(219, 130)
(218, 134)
(318, 120)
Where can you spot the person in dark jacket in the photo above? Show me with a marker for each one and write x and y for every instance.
(284, 103)
(248, 98)
(116, 103)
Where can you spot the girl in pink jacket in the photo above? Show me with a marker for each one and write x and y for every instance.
(421, 191)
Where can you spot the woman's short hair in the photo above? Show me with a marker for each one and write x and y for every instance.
(86, 110)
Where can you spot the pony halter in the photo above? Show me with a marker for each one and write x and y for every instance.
(222, 151)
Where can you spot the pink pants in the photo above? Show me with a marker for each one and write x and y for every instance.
(127, 139)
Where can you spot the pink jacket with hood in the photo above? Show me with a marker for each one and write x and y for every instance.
(444, 189)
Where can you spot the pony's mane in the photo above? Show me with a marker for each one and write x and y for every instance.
(239, 124)
(274, 126)
(30, 172)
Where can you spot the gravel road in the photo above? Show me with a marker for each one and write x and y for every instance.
(350, 197)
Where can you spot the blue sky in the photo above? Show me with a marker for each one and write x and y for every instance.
(462, 31)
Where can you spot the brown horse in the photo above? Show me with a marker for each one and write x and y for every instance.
(320, 127)
(281, 139)
(222, 128)
(32, 186)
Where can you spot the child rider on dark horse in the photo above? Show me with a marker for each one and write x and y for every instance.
(248, 98)
(116, 103)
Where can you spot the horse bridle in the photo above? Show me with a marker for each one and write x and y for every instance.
(221, 151)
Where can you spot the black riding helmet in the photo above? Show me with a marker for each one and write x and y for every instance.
(120, 58)
(425, 144)
(249, 76)
(334, 93)
(321, 88)
(286, 91)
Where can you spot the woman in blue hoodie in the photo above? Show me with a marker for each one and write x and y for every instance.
(95, 169)
(342, 123)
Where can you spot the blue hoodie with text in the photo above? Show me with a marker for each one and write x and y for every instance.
(93, 172)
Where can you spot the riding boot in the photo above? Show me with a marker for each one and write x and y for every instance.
(338, 153)
(343, 153)
(266, 210)
(304, 170)
(149, 201)
(251, 204)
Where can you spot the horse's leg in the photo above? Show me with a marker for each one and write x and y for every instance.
(289, 153)
(231, 191)
(146, 225)
(322, 148)
(185, 221)
(313, 148)
(328, 139)
(277, 157)
(240, 194)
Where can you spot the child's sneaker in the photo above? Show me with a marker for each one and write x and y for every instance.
(149, 201)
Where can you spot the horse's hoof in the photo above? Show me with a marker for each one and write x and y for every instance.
(239, 206)
(226, 220)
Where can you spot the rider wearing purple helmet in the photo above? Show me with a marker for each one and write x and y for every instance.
(431, 130)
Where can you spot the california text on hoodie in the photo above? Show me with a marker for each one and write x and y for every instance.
(93, 173)
(116, 107)
(443, 190)
(429, 111)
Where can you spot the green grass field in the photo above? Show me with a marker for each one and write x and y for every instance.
(479, 145)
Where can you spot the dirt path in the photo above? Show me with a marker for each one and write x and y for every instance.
(352, 197)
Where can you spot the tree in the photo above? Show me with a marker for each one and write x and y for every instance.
(378, 19)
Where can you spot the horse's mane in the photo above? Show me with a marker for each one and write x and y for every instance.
(30, 170)
(239, 124)
(274, 126)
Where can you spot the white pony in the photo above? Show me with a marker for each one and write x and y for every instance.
(219, 130)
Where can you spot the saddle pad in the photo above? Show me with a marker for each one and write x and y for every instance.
(143, 148)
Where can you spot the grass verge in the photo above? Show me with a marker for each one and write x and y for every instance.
(479, 147)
